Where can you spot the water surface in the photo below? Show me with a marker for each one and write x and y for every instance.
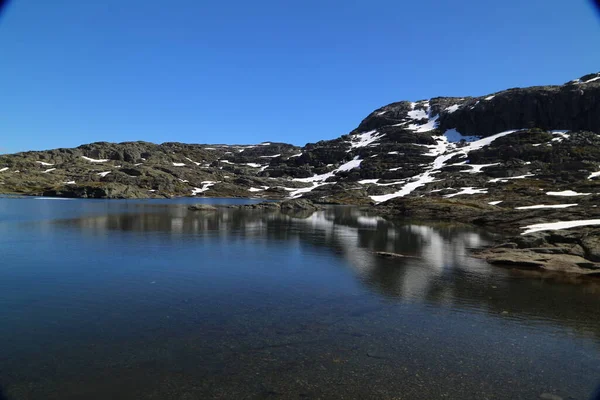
(147, 300)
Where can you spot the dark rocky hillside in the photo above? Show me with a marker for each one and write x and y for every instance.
(429, 148)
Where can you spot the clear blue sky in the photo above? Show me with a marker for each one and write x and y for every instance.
(238, 71)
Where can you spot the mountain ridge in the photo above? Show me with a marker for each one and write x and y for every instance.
(391, 146)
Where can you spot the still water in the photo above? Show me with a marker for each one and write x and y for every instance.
(147, 300)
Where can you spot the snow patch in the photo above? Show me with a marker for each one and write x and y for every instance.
(567, 193)
(592, 80)
(552, 226)
(455, 136)
(205, 186)
(418, 181)
(452, 108)
(355, 163)
(430, 125)
(295, 192)
(417, 114)
(467, 190)
(561, 135)
(276, 155)
(178, 164)
(495, 203)
(190, 160)
(103, 174)
(476, 168)
(593, 175)
(545, 206)
(48, 170)
(367, 181)
(94, 160)
(364, 139)
(506, 179)
(44, 163)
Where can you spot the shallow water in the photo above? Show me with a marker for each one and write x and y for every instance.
(147, 300)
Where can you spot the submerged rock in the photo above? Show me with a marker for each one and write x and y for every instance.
(202, 207)
(386, 254)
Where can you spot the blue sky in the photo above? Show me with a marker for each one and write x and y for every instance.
(74, 72)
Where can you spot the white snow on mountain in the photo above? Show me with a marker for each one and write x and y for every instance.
(538, 206)
(440, 161)
(553, 226)
(364, 139)
(94, 160)
(567, 193)
(594, 175)
(452, 108)
(506, 179)
(205, 186)
(467, 190)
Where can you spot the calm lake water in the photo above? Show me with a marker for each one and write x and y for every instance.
(147, 300)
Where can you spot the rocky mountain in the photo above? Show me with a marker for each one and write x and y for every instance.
(517, 146)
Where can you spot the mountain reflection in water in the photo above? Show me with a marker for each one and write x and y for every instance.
(439, 271)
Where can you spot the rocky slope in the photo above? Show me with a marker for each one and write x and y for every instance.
(510, 159)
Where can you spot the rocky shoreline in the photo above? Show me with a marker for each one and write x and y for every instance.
(575, 250)
(565, 251)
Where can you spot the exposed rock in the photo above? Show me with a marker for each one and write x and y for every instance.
(557, 251)
(529, 258)
(439, 209)
(590, 243)
(299, 204)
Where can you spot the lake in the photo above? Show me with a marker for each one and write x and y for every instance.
(143, 299)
